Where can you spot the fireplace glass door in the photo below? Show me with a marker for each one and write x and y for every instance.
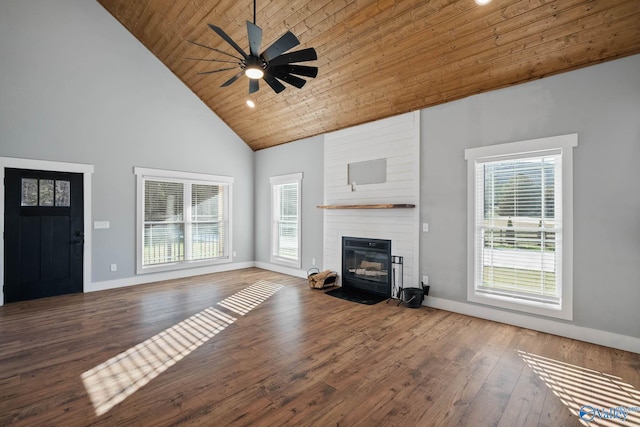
(366, 264)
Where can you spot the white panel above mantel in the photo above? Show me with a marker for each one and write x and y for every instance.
(396, 139)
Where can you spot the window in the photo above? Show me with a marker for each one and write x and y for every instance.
(520, 225)
(285, 214)
(40, 192)
(183, 219)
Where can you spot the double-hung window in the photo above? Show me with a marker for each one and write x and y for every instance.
(520, 225)
(285, 219)
(183, 219)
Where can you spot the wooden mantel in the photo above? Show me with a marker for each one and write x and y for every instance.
(377, 206)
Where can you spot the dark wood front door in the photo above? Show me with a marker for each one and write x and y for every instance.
(44, 234)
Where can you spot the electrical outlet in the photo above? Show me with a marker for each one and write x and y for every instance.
(114, 267)
(425, 227)
(313, 261)
(235, 254)
(425, 280)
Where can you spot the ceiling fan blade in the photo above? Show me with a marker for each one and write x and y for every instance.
(275, 84)
(217, 71)
(232, 79)
(297, 56)
(214, 49)
(228, 39)
(289, 78)
(255, 38)
(254, 85)
(300, 70)
(283, 44)
(212, 60)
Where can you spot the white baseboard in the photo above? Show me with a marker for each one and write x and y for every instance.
(595, 336)
(280, 269)
(167, 275)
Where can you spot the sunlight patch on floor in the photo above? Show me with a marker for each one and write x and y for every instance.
(249, 298)
(596, 398)
(111, 382)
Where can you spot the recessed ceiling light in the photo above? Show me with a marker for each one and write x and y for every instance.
(482, 2)
(251, 104)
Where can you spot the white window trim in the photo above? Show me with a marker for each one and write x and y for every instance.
(191, 177)
(278, 180)
(565, 144)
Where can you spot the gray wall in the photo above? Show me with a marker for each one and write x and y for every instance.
(602, 105)
(304, 156)
(75, 86)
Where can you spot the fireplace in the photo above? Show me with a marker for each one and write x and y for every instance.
(366, 265)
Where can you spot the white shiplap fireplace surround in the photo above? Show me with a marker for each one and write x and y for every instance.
(396, 139)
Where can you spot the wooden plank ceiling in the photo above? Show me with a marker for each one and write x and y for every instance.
(377, 58)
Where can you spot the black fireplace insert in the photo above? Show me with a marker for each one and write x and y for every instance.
(366, 265)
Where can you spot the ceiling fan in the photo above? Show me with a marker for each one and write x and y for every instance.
(273, 65)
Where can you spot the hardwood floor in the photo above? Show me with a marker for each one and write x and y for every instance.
(168, 354)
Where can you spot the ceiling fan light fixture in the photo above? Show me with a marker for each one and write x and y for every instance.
(254, 69)
(254, 72)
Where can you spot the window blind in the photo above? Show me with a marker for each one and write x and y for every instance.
(183, 221)
(518, 228)
(208, 230)
(163, 222)
(287, 219)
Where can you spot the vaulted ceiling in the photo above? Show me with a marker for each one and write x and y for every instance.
(377, 58)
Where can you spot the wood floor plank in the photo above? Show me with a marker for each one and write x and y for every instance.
(298, 357)
(525, 405)
(554, 413)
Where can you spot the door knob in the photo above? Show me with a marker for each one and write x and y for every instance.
(79, 240)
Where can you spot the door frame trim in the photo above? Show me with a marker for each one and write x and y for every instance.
(46, 165)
